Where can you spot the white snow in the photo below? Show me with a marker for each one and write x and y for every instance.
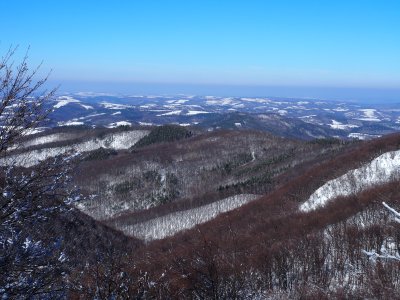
(306, 117)
(239, 105)
(120, 140)
(94, 94)
(380, 170)
(340, 109)
(171, 224)
(56, 137)
(119, 123)
(282, 112)
(145, 124)
(395, 213)
(171, 113)
(70, 123)
(369, 119)
(34, 131)
(362, 136)
(369, 115)
(86, 106)
(91, 116)
(257, 100)
(253, 156)
(213, 101)
(64, 100)
(341, 126)
(109, 105)
(181, 101)
(196, 112)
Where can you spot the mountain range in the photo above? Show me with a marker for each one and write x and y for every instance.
(225, 198)
(299, 118)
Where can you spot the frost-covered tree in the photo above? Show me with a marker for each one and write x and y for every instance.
(32, 261)
(23, 99)
(389, 250)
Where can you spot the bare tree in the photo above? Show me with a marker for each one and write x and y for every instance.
(32, 264)
(393, 252)
(23, 99)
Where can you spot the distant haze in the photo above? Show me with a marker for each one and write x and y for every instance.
(366, 95)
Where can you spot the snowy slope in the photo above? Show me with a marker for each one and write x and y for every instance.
(56, 137)
(380, 170)
(121, 140)
(171, 224)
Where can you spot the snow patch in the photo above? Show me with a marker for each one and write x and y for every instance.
(214, 101)
(362, 136)
(86, 106)
(64, 100)
(282, 112)
(51, 138)
(145, 124)
(171, 113)
(34, 130)
(341, 126)
(196, 112)
(369, 115)
(70, 123)
(256, 100)
(307, 117)
(120, 123)
(91, 116)
(95, 94)
(181, 101)
(340, 109)
(109, 105)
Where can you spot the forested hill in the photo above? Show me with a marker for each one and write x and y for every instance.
(176, 209)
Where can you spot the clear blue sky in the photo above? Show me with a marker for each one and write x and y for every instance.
(256, 43)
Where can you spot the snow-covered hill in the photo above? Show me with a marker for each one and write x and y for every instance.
(380, 170)
(46, 139)
(117, 141)
(333, 118)
(171, 224)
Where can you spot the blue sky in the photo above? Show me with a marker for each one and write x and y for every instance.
(335, 44)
